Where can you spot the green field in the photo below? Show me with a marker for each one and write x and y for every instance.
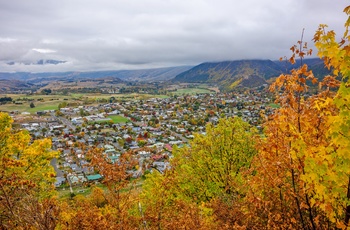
(25, 107)
(64, 193)
(50, 102)
(40, 106)
(273, 105)
(98, 96)
(191, 91)
(118, 119)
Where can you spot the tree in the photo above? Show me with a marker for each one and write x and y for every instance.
(212, 169)
(282, 193)
(116, 178)
(212, 166)
(141, 143)
(161, 208)
(46, 91)
(62, 105)
(32, 105)
(332, 180)
(58, 113)
(26, 178)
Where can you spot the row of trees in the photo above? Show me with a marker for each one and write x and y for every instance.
(295, 175)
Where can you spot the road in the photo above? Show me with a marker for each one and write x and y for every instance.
(59, 173)
(65, 122)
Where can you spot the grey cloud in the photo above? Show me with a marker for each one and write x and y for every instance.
(119, 34)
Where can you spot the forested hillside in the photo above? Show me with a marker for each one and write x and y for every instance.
(295, 174)
(315, 64)
(228, 74)
(246, 73)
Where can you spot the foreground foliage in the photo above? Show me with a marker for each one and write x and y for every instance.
(26, 180)
(295, 175)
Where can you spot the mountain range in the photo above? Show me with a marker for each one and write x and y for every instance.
(145, 75)
(226, 74)
(245, 73)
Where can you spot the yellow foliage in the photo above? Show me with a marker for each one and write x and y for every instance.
(26, 172)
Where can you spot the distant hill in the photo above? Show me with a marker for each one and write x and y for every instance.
(152, 75)
(146, 75)
(229, 74)
(246, 73)
(314, 64)
(13, 85)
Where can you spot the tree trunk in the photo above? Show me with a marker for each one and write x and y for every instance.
(347, 212)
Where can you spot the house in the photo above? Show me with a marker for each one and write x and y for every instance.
(77, 120)
(160, 166)
(144, 154)
(76, 168)
(76, 179)
(94, 177)
(59, 181)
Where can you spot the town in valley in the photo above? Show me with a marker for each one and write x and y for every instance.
(148, 125)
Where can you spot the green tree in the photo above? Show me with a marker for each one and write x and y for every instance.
(212, 169)
(46, 91)
(213, 164)
(141, 143)
(62, 105)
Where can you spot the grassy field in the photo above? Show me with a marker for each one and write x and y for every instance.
(25, 107)
(136, 96)
(191, 91)
(115, 118)
(82, 95)
(43, 106)
(118, 119)
(273, 105)
(50, 102)
(86, 191)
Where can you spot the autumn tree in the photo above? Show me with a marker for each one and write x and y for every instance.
(212, 165)
(163, 207)
(26, 179)
(280, 195)
(211, 169)
(111, 208)
(330, 177)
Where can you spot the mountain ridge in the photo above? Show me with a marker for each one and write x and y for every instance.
(148, 75)
(229, 74)
(245, 73)
(226, 74)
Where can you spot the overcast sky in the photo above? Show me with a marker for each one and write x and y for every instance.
(93, 35)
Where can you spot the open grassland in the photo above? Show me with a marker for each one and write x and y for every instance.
(25, 107)
(98, 96)
(81, 95)
(40, 106)
(191, 91)
(51, 102)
